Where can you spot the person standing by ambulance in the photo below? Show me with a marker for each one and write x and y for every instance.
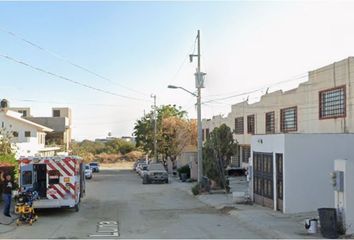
(7, 185)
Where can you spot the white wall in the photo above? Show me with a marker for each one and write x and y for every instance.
(308, 162)
(24, 146)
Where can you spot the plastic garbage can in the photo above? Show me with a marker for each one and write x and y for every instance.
(184, 177)
(328, 222)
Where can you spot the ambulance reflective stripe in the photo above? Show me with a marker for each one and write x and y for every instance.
(65, 168)
(70, 163)
(51, 196)
(61, 192)
(53, 166)
(69, 190)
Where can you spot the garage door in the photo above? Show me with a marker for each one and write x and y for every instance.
(263, 179)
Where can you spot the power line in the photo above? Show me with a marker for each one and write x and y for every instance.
(256, 90)
(68, 79)
(73, 103)
(68, 61)
(184, 61)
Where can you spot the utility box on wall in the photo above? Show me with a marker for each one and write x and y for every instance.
(338, 181)
(342, 177)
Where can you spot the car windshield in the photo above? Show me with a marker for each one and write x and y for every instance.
(156, 167)
(94, 164)
(87, 167)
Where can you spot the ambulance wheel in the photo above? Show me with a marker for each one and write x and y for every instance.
(77, 207)
(18, 222)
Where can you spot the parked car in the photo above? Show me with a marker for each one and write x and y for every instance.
(140, 167)
(139, 161)
(156, 172)
(143, 169)
(88, 172)
(95, 166)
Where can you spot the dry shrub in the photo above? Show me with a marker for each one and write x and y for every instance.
(133, 155)
(108, 158)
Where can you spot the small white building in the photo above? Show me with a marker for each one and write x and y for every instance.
(28, 138)
(291, 173)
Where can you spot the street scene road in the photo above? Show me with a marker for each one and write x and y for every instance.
(142, 211)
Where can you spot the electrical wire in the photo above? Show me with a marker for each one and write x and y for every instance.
(73, 103)
(68, 79)
(68, 61)
(183, 62)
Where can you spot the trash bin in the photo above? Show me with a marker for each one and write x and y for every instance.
(328, 222)
(184, 177)
(205, 184)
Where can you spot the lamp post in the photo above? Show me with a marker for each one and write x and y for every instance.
(199, 84)
(199, 126)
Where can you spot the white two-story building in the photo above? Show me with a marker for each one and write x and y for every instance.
(28, 138)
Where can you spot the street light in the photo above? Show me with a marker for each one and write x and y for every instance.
(199, 126)
(175, 87)
(199, 84)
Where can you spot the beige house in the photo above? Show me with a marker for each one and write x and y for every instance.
(60, 122)
(323, 104)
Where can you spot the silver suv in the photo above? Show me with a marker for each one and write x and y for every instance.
(155, 173)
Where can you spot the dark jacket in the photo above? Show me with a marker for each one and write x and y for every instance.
(7, 186)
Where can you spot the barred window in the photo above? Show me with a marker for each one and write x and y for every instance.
(239, 127)
(288, 118)
(246, 153)
(332, 103)
(250, 124)
(270, 122)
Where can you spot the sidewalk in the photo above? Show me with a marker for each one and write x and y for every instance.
(256, 217)
(6, 224)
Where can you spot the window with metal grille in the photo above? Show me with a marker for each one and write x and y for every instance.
(56, 113)
(288, 118)
(246, 153)
(332, 103)
(270, 122)
(239, 127)
(27, 134)
(250, 124)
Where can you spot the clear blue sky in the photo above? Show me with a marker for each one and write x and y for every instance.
(142, 45)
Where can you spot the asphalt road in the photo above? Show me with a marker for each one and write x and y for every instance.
(118, 205)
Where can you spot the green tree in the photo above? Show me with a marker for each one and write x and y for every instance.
(119, 146)
(218, 150)
(144, 129)
(7, 152)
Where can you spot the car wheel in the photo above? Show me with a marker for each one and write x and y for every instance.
(166, 181)
(77, 207)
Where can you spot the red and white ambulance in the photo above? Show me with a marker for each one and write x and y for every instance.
(59, 180)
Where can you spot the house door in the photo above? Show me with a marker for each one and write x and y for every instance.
(279, 171)
(263, 179)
